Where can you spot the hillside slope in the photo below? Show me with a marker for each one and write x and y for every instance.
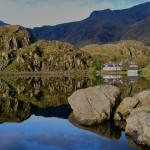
(139, 31)
(128, 49)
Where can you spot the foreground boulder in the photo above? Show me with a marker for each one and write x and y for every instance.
(130, 103)
(138, 125)
(94, 104)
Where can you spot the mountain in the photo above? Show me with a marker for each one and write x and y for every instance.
(139, 31)
(122, 50)
(2, 23)
(99, 28)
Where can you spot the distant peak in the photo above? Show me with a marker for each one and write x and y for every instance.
(100, 12)
(2, 23)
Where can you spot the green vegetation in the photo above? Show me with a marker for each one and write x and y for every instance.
(96, 64)
(145, 72)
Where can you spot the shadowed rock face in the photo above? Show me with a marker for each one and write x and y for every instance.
(95, 104)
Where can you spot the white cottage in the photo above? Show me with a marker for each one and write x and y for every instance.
(133, 71)
(112, 66)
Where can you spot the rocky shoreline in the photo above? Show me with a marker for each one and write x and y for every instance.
(95, 105)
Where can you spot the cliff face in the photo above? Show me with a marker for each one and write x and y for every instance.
(50, 56)
(12, 38)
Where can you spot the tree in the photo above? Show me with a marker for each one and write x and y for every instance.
(96, 64)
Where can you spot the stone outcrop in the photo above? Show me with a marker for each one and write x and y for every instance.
(125, 107)
(130, 103)
(138, 125)
(94, 104)
(12, 38)
(136, 112)
(51, 56)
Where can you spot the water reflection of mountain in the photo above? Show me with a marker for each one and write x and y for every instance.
(62, 111)
(20, 97)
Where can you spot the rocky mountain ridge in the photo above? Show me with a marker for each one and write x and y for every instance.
(99, 28)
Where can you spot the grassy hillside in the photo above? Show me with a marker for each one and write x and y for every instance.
(128, 49)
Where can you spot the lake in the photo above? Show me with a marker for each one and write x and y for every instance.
(34, 114)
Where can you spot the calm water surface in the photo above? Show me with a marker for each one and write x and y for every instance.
(34, 114)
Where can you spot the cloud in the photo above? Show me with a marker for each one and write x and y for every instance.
(24, 141)
(11, 141)
(77, 141)
(32, 13)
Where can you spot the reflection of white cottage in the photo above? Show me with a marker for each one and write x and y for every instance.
(112, 66)
(133, 70)
(112, 79)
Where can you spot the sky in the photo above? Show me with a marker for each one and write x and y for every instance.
(35, 13)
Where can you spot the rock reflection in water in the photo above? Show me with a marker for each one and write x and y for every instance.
(107, 129)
